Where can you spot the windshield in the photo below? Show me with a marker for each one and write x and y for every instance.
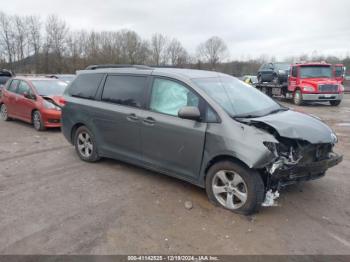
(49, 87)
(282, 66)
(315, 71)
(237, 98)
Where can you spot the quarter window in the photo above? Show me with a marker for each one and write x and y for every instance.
(125, 90)
(169, 97)
(13, 86)
(85, 85)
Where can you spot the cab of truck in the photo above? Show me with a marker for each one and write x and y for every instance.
(314, 81)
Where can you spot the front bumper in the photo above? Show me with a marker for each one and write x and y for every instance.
(322, 97)
(51, 118)
(309, 171)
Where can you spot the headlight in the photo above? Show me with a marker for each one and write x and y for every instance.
(341, 88)
(334, 138)
(50, 105)
(308, 88)
(281, 72)
(271, 146)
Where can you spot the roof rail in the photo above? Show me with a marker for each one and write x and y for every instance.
(93, 67)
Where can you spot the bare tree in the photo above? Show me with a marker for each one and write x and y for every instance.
(213, 51)
(158, 49)
(7, 37)
(34, 38)
(21, 36)
(176, 53)
(56, 33)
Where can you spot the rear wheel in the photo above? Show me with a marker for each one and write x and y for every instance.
(235, 187)
(3, 113)
(335, 102)
(85, 145)
(298, 97)
(38, 122)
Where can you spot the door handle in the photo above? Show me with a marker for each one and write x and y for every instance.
(132, 117)
(149, 121)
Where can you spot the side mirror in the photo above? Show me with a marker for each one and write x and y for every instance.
(29, 96)
(189, 112)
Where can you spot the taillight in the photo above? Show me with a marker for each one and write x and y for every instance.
(62, 101)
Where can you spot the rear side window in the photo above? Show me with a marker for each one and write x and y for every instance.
(125, 90)
(85, 85)
(13, 86)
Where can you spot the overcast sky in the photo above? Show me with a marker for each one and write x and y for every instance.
(250, 28)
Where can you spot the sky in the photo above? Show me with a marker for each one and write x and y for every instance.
(279, 28)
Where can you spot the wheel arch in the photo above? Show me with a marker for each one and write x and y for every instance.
(74, 129)
(220, 158)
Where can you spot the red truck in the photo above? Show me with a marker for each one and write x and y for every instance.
(308, 82)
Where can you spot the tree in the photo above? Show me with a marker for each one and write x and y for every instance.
(213, 51)
(56, 32)
(34, 38)
(158, 49)
(176, 53)
(7, 37)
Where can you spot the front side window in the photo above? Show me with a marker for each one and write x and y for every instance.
(125, 90)
(13, 86)
(294, 71)
(168, 97)
(23, 87)
(238, 99)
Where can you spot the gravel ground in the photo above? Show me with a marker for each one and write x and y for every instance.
(53, 203)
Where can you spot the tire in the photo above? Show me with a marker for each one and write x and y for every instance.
(85, 145)
(335, 102)
(37, 121)
(247, 193)
(275, 79)
(298, 98)
(3, 113)
(259, 79)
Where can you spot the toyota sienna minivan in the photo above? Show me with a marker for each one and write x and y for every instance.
(204, 127)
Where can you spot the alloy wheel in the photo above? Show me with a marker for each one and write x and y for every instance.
(84, 144)
(229, 189)
(3, 112)
(37, 121)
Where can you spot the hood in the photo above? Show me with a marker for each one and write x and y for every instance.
(297, 125)
(318, 81)
(56, 99)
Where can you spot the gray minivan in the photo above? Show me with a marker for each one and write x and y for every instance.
(204, 127)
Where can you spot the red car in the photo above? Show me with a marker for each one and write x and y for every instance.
(33, 100)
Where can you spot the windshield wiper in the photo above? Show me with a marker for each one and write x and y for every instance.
(245, 116)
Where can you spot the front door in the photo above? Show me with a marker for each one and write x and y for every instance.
(170, 143)
(25, 105)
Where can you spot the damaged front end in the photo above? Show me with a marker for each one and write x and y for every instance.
(295, 158)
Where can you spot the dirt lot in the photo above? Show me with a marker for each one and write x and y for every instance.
(53, 203)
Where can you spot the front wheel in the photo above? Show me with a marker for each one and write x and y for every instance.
(85, 145)
(4, 113)
(235, 187)
(298, 98)
(38, 122)
(335, 102)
